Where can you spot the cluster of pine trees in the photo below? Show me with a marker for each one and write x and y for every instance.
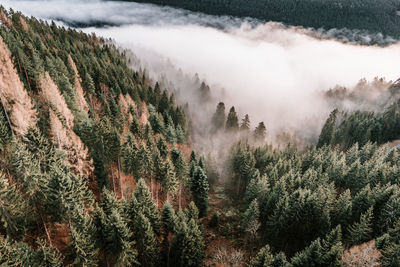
(348, 128)
(230, 124)
(96, 169)
(96, 176)
(310, 206)
(379, 17)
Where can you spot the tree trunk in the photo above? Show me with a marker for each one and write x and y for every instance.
(180, 195)
(238, 188)
(119, 176)
(113, 179)
(44, 225)
(157, 194)
(151, 188)
(6, 114)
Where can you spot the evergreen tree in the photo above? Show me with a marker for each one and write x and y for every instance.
(162, 147)
(20, 254)
(117, 237)
(129, 151)
(389, 245)
(328, 130)
(180, 169)
(135, 127)
(265, 258)
(325, 252)
(232, 121)
(260, 133)
(146, 204)
(13, 210)
(218, 119)
(361, 231)
(342, 210)
(168, 178)
(251, 215)
(146, 242)
(200, 189)
(168, 218)
(191, 212)
(245, 125)
(168, 224)
(83, 243)
(180, 135)
(192, 246)
(5, 133)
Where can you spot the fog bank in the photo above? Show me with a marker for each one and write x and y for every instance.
(272, 72)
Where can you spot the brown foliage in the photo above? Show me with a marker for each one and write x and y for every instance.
(80, 95)
(23, 23)
(144, 117)
(13, 95)
(71, 144)
(5, 19)
(362, 255)
(52, 95)
(61, 127)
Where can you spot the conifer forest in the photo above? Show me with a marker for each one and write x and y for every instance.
(200, 133)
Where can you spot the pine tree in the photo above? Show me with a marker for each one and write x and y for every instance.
(20, 254)
(326, 252)
(162, 147)
(389, 245)
(135, 127)
(168, 225)
(168, 218)
(157, 122)
(146, 204)
(146, 241)
(168, 178)
(117, 237)
(192, 212)
(361, 231)
(218, 119)
(143, 163)
(83, 242)
(13, 210)
(265, 258)
(180, 169)
(5, 133)
(260, 133)
(342, 209)
(170, 134)
(328, 130)
(245, 125)
(180, 135)
(251, 216)
(232, 121)
(192, 253)
(129, 151)
(200, 189)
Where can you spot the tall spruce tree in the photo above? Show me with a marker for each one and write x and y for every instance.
(218, 119)
(260, 133)
(148, 253)
(232, 121)
(328, 130)
(200, 190)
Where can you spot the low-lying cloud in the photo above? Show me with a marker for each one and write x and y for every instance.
(272, 72)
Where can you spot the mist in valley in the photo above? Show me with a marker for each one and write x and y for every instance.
(272, 72)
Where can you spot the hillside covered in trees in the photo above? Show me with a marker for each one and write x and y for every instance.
(368, 15)
(94, 160)
(97, 167)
